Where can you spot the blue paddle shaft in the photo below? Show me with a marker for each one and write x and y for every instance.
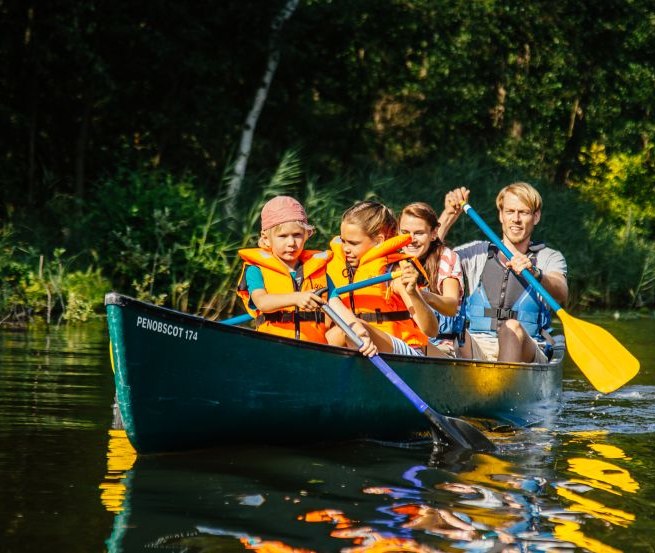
(380, 363)
(239, 319)
(527, 275)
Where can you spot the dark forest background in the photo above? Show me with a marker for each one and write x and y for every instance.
(121, 124)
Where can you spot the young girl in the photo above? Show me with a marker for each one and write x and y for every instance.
(279, 279)
(444, 288)
(399, 319)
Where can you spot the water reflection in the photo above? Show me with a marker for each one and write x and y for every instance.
(584, 494)
(362, 498)
(120, 459)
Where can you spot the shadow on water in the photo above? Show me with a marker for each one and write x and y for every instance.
(369, 497)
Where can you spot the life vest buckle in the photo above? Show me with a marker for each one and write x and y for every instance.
(501, 313)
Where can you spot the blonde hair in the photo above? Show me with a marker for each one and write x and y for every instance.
(525, 192)
(373, 218)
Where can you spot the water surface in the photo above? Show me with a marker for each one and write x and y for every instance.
(71, 483)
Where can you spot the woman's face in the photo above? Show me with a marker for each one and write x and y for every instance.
(421, 233)
(355, 242)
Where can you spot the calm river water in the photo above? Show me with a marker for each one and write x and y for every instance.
(69, 482)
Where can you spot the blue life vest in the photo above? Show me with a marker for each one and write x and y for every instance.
(502, 295)
(452, 326)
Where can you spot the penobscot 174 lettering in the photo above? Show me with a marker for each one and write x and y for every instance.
(166, 328)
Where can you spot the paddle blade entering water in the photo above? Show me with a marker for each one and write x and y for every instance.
(602, 358)
(454, 432)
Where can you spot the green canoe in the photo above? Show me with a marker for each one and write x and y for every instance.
(184, 382)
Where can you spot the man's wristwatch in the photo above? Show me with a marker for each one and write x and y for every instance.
(537, 273)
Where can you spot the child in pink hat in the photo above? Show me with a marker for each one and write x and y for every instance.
(280, 278)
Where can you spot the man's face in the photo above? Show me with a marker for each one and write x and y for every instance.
(517, 219)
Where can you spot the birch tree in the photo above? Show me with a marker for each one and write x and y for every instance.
(245, 145)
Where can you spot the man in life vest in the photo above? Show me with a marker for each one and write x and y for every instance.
(508, 320)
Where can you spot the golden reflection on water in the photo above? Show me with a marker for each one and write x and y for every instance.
(603, 475)
(568, 530)
(596, 474)
(120, 459)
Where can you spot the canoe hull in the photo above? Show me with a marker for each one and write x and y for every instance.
(185, 382)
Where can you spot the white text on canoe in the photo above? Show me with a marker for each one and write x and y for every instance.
(166, 328)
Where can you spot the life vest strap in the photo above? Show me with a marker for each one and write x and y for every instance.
(380, 317)
(291, 317)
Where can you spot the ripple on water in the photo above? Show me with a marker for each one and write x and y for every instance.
(626, 411)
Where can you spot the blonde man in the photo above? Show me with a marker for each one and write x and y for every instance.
(508, 320)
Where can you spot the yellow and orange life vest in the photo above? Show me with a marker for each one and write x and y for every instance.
(288, 322)
(378, 304)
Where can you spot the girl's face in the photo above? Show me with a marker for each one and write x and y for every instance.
(355, 242)
(286, 242)
(422, 235)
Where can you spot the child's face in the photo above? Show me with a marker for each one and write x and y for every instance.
(286, 242)
(422, 235)
(355, 242)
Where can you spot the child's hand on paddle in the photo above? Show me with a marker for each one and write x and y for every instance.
(368, 347)
(409, 276)
(308, 301)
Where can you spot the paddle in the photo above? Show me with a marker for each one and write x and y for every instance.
(602, 358)
(341, 290)
(447, 431)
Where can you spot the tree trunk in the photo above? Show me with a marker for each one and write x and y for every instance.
(238, 173)
(573, 144)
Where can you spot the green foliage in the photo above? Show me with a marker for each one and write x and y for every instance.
(150, 224)
(85, 292)
(13, 278)
(158, 239)
(33, 286)
(621, 186)
(525, 83)
(119, 118)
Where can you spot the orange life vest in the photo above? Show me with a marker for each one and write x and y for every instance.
(378, 304)
(289, 321)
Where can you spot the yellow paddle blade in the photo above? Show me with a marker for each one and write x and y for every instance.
(602, 358)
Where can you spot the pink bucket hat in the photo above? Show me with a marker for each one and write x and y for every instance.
(282, 209)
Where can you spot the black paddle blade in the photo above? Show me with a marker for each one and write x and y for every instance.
(451, 432)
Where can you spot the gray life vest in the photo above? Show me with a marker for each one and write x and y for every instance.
(501, 294)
